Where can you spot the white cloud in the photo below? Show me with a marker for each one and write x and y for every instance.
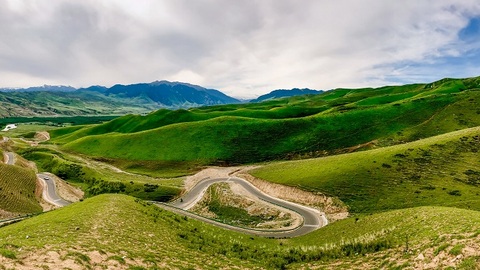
(245, 48)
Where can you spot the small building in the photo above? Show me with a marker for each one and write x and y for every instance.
(9, 127)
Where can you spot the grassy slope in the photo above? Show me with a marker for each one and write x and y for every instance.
(441, 170)
(17, 190)
(435, 232)
(125, 233)
(236, 134)
(294, 107)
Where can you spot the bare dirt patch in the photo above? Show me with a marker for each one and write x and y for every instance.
(42, 136)
(5, 214)
(75, 259)
(209, 173)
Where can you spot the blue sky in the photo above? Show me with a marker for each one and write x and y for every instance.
(464, 63)
(243, 48)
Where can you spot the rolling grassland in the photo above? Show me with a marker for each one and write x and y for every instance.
(292, 128)
(441, 170)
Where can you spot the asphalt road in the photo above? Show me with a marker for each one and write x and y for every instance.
(312, 218)
(49, 191)
(10, 158)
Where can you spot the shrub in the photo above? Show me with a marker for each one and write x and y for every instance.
(455, 192)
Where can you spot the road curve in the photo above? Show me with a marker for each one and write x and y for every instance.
(49, 191)
(10, 158)
(312, 218)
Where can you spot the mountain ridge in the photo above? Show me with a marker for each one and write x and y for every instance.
(100, 100)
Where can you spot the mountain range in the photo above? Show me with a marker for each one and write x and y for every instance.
(119, 99)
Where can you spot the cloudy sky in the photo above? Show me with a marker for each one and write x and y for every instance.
(244, 48)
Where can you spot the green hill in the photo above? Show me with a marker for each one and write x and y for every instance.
(305, 126)
(116, 231)
(17, 190)
(441, 170)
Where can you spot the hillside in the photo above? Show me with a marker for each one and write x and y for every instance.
(441, 170)
(305, 126)
(17, 190)
(98, 100)
(116, 231)
(282, 93)
(95, 177)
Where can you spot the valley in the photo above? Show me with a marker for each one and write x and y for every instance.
(350, 178)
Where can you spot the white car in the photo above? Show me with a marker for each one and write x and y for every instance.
(46, 178)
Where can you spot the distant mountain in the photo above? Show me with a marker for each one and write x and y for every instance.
(281, 93)
(47, 88)
(99, 100)
(171, 94)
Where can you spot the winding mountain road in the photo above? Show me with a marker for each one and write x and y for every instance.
(49, 191)
(312, 218)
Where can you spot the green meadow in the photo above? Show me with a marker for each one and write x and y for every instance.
(441, 170)
(291, 128)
